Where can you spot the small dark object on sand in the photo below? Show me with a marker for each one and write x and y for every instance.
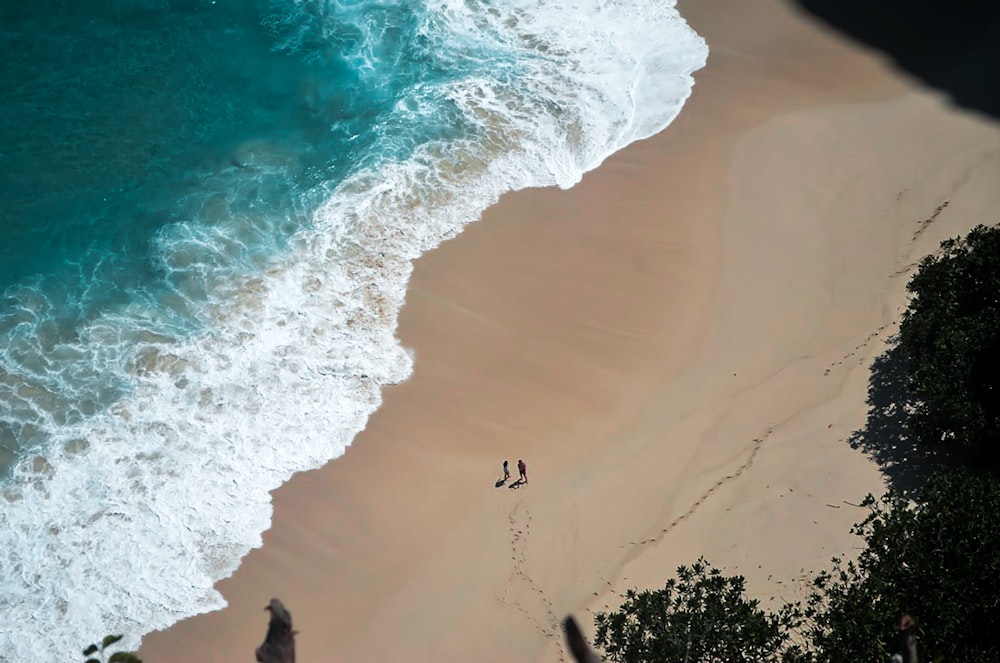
(279, 643)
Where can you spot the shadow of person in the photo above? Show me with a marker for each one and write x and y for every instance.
(517, 484)
(501, 481)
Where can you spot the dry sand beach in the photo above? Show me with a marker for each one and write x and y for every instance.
(678, 347)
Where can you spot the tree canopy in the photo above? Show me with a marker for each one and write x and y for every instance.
(700, 616)
(932, 555)
(950, 334)
(937, 559)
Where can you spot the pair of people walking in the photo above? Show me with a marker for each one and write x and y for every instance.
(521, 468)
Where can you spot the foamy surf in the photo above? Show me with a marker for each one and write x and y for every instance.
(125, 515)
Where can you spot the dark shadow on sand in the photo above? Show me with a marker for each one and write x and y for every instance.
(951, 46)
(517, 484)
(501, 481)
(884, 438)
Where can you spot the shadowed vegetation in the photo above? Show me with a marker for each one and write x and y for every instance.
(926, 584)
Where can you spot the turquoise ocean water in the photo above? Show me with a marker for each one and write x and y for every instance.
(208, 213)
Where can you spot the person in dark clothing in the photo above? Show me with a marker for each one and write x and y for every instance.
(523, 470)
(506, 472)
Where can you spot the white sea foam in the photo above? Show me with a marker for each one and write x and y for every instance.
(126, 525)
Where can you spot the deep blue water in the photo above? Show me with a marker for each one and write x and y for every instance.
(146, 146)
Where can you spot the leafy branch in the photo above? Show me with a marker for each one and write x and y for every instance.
(116, 657)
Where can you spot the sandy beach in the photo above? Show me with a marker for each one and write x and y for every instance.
(678, 347)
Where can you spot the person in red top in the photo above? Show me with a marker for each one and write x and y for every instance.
(523, 470)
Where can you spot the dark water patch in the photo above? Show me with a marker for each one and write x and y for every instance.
(112, 114)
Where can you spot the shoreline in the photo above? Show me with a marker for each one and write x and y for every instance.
(593, 332)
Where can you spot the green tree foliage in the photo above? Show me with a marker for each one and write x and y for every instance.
(699, 617)
(938, 560)
(951, 336)
(95, 653)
